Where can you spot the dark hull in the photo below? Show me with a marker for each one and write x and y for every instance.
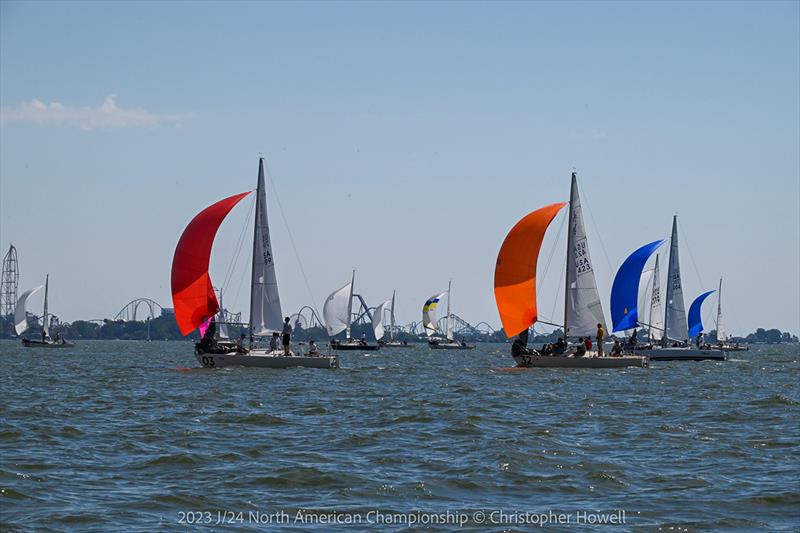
(39, 344)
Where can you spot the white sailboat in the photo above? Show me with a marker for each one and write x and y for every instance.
(393, 342)
(21, 320)
(430, 323)
(338, 315)
(515, 291)
(195, 301)
(675, 339)
(722, 335)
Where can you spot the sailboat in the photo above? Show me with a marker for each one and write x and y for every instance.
(21, 321)
(515, 289)
(431, 326)
(392, 342)
(338, 315)
(674, 340)
(722, 336)
(195, 301)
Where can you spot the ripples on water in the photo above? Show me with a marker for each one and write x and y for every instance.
(123, 435)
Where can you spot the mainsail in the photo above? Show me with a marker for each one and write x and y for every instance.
(265, 303)
(45, 321)
(625, 289)
(393, 326)
(722, 335)
(656, 318)
(515, 271)
(448, 331)
(192, 293)
(21, 310)
(377, 320)
(695, 318)
(337, 308)
(583, 309)
(675, 314)
(429, 313)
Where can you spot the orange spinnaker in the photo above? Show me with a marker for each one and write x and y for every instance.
(192, 293)
(515, 272)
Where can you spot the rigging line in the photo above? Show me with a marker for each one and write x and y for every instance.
(596, 229)
(291, 238)
(691, 256)
(235, 259)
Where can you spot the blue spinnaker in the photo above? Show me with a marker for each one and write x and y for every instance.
(625, 290)
(695, 320)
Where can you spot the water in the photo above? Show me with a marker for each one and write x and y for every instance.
(121, 435)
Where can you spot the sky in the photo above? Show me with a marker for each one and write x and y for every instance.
(404, 140)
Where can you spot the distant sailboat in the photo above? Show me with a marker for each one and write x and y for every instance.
(195, 301)
(431, 325)
(625, 313)
(392, 342)
(338, 315)
(21, 321)
(722, 335)
(515, 288)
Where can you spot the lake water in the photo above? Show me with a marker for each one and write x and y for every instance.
(133, 436)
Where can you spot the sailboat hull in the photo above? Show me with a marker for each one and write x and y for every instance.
(550, 361)
(263, 359)
(397, 345)
(682, 354)
(449, 346)
(354, 346)
(39, 344)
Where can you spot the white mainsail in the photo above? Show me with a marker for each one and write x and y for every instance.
(377, 320)
(392, 329)
(21, 310)
(722, 336)
(449, 320)
(265, 303)
(337, 309)
(656, 318)
(675, 313)
(429, 313)
(45, 321)
(583, 310)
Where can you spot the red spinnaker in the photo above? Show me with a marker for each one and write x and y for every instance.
(192, 293)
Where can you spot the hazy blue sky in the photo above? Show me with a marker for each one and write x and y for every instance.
(404, 139)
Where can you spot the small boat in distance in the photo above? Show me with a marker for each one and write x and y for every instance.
(195, 301)
(515, 291)
(431, 326)
(392, 342)
(722, 336)
(21, 321)
(338, 315)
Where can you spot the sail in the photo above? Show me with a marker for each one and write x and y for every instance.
(377, 320)
(515, 270)
(21, 310)
(722, 336)
(45, 321)
(429, 313)
(393, 326)
(265, 303)
(676, 312)
(448, 323)
(644, 288)
(656, 318)
(336, 310)
(192, 294)
(695, 318)
(583, 308)
(625, 289)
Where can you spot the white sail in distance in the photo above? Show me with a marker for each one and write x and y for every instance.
(336, 309)
(45, 321)
(377, 320)
(393, 326)
(449, 320)
(583, 310)
(429, 313)
(656, 318)
(265, 303)
(675, 319)
(722, 336)
(21, 310)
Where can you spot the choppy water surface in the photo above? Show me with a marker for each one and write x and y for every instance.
(121, 435)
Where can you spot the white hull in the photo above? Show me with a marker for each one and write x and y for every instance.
(450, 346)
(681, 354)
(397, 345)
(559, 361)
(264, 359)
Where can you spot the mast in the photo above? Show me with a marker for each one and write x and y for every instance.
(720, 331)
(391, 332)
(46, 327)
(254, 265)
(570, 252)
(447, 326)
(350, 305)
